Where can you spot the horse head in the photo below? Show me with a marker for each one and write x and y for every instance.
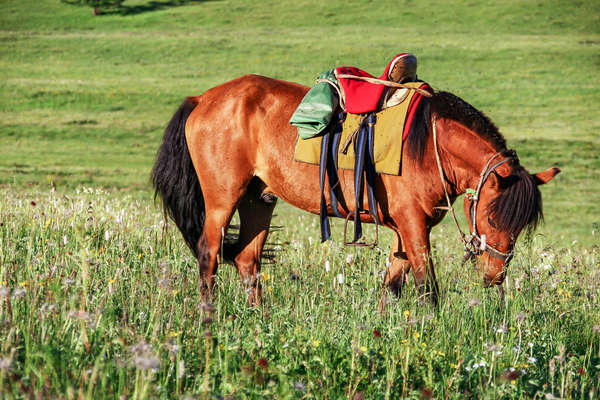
(506, 201)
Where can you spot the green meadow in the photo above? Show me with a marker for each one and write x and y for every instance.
(99, 299)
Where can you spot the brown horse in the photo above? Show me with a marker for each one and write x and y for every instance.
(232, 148)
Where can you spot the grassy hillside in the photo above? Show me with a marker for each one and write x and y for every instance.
(95, 302)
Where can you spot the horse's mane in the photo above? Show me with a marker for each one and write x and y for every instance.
(450, 106)
(516, 207)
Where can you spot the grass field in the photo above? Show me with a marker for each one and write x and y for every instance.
(96, 302)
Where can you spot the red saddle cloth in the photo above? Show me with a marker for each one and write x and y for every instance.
(362, 96)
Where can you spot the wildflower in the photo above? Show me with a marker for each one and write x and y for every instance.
(19, 293)
(316, 342)
(493, 347)
(376, 333)
(416, 335)
(406, 313)
(499, 329)
(140, 348)
(181, 369)
(106, 235)
(340, 279)
(5, 363)
(65, 240)
(164, 283)
(532, 360)
(580, 371)
(327, 266)
(349, 259)
(363, 349)
(474, 302)
(173, 348)
(263, 363)
(301, 387)
(173, 334)
(147, 362)
(595, 328)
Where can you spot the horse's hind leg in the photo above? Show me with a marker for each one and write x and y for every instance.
(396, 274)
(255, 218)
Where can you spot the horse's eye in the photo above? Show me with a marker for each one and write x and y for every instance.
(491, 222)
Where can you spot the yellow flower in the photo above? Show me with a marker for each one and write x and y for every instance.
(416, 335)
(270, 289)
(406, 313)
(174, 334)
(363, 349)
(453, 366)
(404, 341)
(174, 292)
(513, 382)
(316, 343)
(24, 284)
(264, 276)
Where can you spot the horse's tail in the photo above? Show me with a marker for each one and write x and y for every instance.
(175, 180)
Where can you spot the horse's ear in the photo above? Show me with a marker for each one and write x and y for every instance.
(501, 182)
(546, 176)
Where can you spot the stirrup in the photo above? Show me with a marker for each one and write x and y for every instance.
(358, 243)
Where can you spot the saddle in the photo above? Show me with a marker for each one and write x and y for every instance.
(365, 95)
(338, 94)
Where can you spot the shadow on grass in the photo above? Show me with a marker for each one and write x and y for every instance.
(151, 6)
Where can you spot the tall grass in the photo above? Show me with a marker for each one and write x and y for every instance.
(97, 301)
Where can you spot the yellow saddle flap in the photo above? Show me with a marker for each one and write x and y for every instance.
(387, 142)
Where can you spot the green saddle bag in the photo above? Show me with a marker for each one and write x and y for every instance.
(315, 111)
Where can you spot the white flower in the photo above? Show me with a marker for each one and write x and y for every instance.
(532, 360)
(340, 279)
(106, 235)
(65, 240)
(349, 258)
(327, 266)
(5, 363)
(147, 362)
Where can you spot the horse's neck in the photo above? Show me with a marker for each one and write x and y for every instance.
(463, 154)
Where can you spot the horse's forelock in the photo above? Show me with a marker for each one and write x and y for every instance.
(519, 205)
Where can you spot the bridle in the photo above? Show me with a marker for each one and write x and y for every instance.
(474, 243)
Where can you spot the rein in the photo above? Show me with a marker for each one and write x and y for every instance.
(474, 243)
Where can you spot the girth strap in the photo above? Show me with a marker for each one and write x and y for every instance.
(364, 166)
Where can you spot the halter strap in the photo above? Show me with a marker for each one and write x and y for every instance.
(474, 244)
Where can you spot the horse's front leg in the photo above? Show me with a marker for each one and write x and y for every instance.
(396, 273)
(416, 243)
